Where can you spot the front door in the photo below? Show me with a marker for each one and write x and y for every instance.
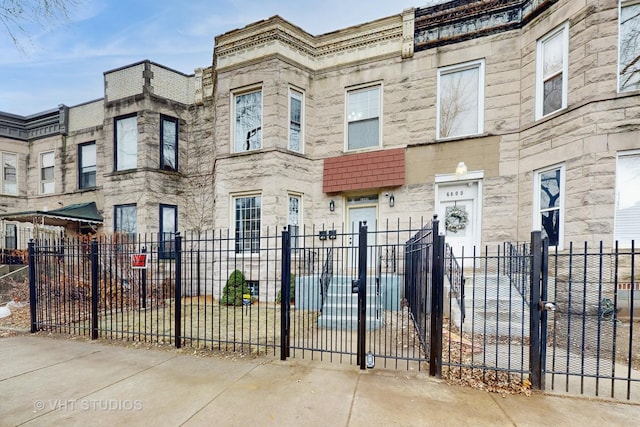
(459, 214)
(356, 215)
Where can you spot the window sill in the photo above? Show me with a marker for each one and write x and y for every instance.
(463, 137)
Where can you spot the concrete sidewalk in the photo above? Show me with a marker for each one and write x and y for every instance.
(46, 382)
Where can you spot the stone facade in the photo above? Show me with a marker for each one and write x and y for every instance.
(406, 57)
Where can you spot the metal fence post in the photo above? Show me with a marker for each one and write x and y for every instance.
(535, 360)
(143, 276)
(32, 285)
(94, 289)
(178, 291)
(285, 295)
(437, 298)
(362, 294)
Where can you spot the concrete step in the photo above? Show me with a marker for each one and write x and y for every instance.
(347, 322)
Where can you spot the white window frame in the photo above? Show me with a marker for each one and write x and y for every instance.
(86, 168)
(123, 163)
(295, 238)
(44, 182)
(300, 93)
(234, 95)
(452, 69)
(239, 247)
(622, 5)
(359, 89)
(2, 177)
(624, 241)
(563, 30)
(537, 211)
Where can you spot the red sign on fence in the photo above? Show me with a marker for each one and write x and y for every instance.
(138, 260)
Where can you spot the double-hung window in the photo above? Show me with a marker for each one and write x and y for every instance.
(460, 102)
(9, 173)
(126, 220)
(363, 118)
(87, 165)
(549, 204)
(629, 46)
(168, 229)
(126, 143)
(168, 143)
(10, 236)
(47, 166)
(247, 119)
(295, 120)
(247, 223)
(627, 219)
(552, 71)
(295, 205)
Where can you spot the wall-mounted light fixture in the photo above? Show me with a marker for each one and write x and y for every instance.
(332, 206)
(392, 200)
(461, 169)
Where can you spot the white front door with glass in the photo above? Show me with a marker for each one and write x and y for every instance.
(458, 212)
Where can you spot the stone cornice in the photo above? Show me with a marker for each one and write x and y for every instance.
(36, 126)
(461, 20)
(276, 35)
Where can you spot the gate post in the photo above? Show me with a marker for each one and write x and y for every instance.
(535, 359)
(143, 276)
(178, 291)
(32, 285)
(362, 294)
(437, 297)
(94, 289)
(285, 295)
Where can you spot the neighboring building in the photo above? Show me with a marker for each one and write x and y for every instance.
(537, 101)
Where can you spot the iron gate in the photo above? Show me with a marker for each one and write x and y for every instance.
(367, 297)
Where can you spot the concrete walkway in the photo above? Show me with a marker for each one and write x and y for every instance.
(45, 382)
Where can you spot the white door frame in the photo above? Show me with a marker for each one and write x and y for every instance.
(469, 177)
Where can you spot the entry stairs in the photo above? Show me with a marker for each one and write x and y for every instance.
(340, 308)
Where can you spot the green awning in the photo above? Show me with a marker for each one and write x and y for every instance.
(80, 212)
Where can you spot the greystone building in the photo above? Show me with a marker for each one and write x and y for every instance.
(500, 116)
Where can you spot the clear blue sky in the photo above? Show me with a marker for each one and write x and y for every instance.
(65, 64)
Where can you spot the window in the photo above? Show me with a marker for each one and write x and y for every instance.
(247, 217)
(87, 165)
(294, 220)
(551, 74)
(126, 143)
(460, 104)
(629, 46)
(248, 121)
(363, 118)
(168, 228)
(627, 226)
(295, 120)
(549, 194)
(125, 220)
(9, 175)
(169, 145)
(10, 236)
(47, 165)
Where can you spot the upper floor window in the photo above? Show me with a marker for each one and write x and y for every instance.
(169, 143)
(460, 105)
(126, 220)
(552, 71)
(247, 223)
(627, 226)
(47, 165)
(87, 165)
(629, 46)
(9, 173)
(126, 143)
(549, 204)
(295, 120)
(363, 118)
(168, 229)
(248, 121)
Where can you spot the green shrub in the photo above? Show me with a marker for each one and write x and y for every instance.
(235, 288)
(292, 290)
